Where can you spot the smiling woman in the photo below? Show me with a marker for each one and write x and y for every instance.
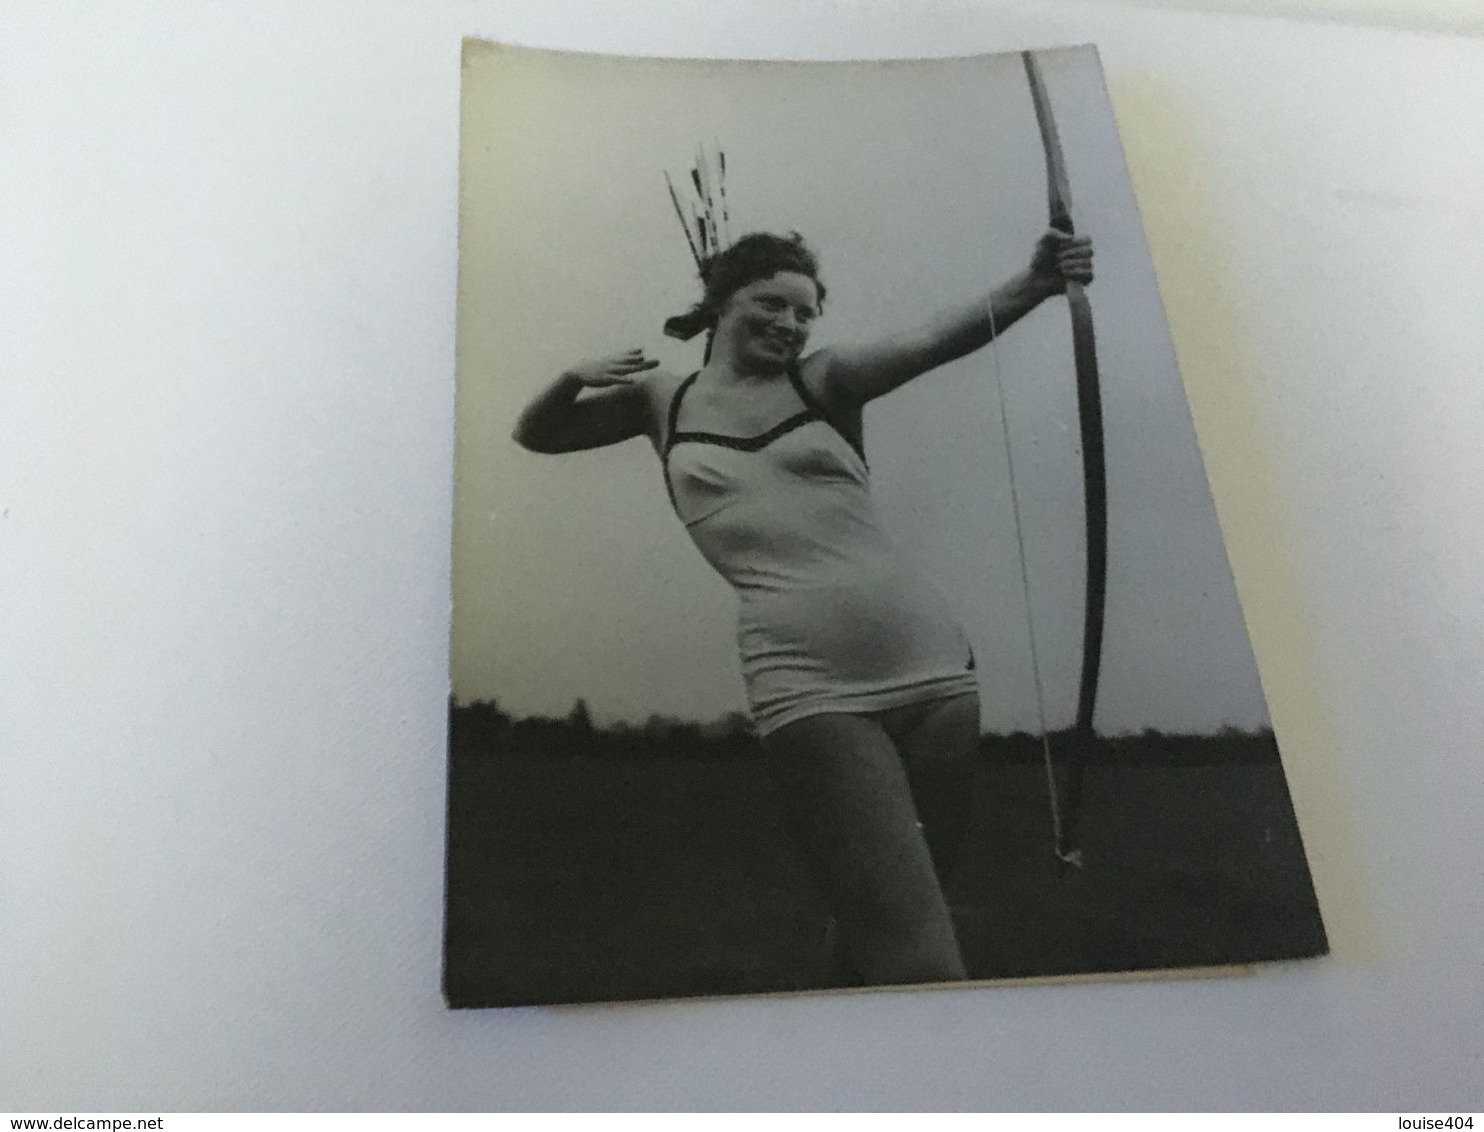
(859, 677)
(772, 318)
(828, 728)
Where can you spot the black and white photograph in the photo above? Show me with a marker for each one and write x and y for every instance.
(838, 598)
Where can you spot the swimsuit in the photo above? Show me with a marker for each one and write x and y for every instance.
(829, 619)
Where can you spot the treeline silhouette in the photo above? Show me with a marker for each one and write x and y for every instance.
(482, 728)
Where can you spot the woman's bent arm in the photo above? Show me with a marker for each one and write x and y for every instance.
(560, 419)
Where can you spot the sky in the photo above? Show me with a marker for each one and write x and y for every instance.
(921, 185)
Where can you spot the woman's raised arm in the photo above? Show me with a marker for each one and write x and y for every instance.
(560, 419)
(859, 373)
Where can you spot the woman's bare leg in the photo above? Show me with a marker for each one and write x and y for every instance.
(939, 744)
(848, 804)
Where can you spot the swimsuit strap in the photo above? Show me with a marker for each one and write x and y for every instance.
(675, 410)
(670, 434)
(796, 379)
(813, 410)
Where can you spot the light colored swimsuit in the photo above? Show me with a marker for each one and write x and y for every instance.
(829, 619)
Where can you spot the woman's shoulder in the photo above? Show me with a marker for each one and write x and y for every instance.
(817, 373)
(659, 388)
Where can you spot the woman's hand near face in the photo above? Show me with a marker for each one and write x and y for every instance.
(616, 369)
(1060, 259)
(560, 419)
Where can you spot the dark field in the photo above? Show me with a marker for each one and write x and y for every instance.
(605, 871)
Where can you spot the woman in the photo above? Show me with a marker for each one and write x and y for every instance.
(860, 681)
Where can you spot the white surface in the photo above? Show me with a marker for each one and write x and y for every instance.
(226, 342)
(1465, 16)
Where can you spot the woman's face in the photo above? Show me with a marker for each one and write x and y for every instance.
(767, 322)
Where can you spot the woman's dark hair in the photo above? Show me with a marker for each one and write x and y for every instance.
(759, 255)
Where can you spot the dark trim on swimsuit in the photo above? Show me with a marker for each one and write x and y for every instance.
(813, 411)
(675, 411)
(748, 443)
(670, 437)
(796, 379)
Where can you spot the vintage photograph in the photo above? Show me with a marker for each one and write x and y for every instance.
(838, 597)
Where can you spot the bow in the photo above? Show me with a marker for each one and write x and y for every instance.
(1066, 789)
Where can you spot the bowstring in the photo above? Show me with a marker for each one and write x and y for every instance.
(1025, 587)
